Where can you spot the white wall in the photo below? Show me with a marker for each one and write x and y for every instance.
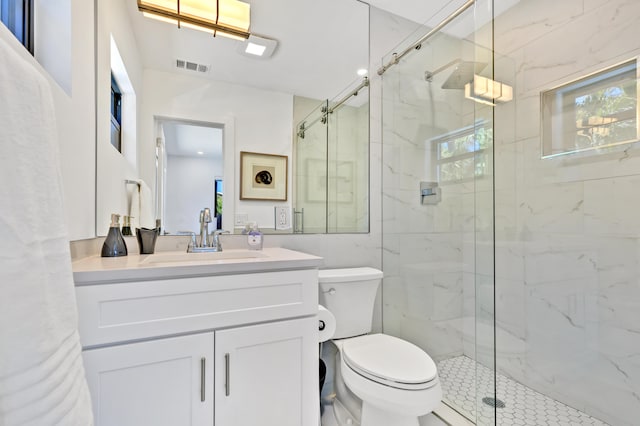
(113, 168)
(53, 39)
(190, 187)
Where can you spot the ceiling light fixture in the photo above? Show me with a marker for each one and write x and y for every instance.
(228, 18)
(487, 91)
(258, 47)
(255, 49)
(200, 153)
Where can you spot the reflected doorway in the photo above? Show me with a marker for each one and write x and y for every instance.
(190, 166)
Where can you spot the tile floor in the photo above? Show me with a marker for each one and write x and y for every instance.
(522, 406)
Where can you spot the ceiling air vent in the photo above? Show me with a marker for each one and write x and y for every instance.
(191, 66)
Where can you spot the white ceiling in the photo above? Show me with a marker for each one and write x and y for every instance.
(321, 46)
(322, 43)
(186, 140)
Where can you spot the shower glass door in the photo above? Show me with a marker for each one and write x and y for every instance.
(348, 164)
(331, 164)
(438, 252)
(310, 170)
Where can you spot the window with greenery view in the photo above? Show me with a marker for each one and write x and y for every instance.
(594, 112)
(464, 155)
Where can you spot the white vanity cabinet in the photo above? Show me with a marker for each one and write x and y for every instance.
(260, 374)
(224, 350)
(163, 382)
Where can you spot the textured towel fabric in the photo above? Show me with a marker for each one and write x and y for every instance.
(42, 379)
(134, 207)
(147, 216)
(142, 209)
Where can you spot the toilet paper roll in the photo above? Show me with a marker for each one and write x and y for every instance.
(326, 324)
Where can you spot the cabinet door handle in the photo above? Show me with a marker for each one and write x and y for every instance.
(203, 369)
(227, 375)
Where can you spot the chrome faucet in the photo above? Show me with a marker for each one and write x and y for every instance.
(216, 245)
(205, 220)
(207, 243)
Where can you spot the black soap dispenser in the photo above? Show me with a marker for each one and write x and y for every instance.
(126, 226)
(114, 244)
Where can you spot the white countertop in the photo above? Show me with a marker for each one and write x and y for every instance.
(169, 265)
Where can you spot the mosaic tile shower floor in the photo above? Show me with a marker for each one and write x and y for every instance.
(522, 406)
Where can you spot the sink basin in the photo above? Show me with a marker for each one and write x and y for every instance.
(181, 257)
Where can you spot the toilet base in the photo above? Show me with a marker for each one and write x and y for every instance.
(342, 416)
(374, 416)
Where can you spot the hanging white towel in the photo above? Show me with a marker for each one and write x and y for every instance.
(134, 207)
(42, 379)
(142, 210)
(147, 214)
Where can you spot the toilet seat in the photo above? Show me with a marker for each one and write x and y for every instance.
(390, 361)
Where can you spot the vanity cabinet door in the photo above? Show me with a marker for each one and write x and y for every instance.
(267, 374)
(159, 382)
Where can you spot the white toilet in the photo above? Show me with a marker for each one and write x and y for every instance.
(380, 379)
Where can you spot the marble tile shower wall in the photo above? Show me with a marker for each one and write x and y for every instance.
(567, 228)
(567, 249)
(426, 257)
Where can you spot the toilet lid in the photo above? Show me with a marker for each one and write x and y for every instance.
(389, 360)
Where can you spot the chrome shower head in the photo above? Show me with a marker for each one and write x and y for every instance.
(462, 74)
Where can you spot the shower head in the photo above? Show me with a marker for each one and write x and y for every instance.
(462, 73)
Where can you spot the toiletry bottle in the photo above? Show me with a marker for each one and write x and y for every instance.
(114, 244)
(126, 226)
(255, 238)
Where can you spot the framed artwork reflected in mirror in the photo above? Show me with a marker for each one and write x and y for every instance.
(263, 176)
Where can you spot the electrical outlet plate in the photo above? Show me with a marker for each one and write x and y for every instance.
(283, 217)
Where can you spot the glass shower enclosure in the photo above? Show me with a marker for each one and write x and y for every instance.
(438, 216)
(511, 168)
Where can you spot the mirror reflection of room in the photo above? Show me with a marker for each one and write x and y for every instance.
(197, 78)
(191, 178)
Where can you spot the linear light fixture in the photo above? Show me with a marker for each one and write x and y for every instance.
(487, 91)
(228, 18)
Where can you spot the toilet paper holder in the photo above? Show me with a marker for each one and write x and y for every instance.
(326, 324)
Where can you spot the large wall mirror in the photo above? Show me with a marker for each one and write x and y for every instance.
(176, 107)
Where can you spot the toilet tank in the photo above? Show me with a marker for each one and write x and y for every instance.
(350, 295)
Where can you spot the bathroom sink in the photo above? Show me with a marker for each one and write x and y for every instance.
(181, 257)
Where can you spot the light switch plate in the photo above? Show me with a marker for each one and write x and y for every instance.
(241, 219)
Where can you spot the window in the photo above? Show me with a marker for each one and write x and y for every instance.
(17, 15)
(116, 115)
(593, 112)
(461, 155)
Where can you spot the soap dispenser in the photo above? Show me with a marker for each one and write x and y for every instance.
(114, 244)
(254, 238)
(126, 226)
